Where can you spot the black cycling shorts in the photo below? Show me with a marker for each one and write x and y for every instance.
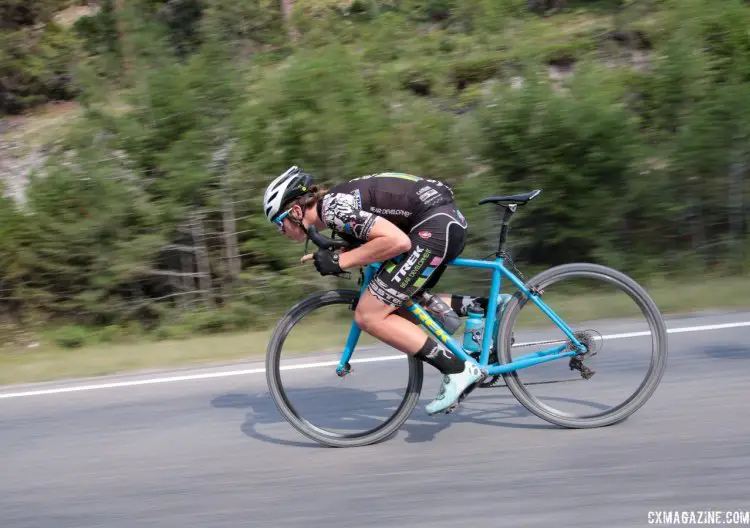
(438, 236)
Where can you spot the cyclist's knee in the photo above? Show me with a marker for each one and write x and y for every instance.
(371, 313)
(368, 320)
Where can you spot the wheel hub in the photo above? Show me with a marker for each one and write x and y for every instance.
(588, 338)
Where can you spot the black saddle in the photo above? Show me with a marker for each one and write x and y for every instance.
(514, 199)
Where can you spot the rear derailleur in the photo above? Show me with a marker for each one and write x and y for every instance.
(577, 364)
(588, 340)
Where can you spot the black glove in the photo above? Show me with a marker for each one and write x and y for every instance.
(327, 262)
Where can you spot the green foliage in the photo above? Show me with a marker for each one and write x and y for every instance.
(15, 14)
(12, 228)
(476, 69)
(429, 10)
(71, 336)
(433, 139)
(239, 23)
(235, 316)
(484, 17)
(322, 22)
(314, 112)
(88, 241)
(182, 19)
(98, 32)
(578, 148)
(387, 39)
(36, 66)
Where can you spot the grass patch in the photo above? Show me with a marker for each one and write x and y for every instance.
(50, 362)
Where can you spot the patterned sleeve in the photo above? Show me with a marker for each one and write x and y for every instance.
(341, 213)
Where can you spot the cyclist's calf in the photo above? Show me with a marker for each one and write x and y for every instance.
(379, 320)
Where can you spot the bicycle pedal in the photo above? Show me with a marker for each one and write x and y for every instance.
(451, 409)
(448, 410)
(468, 390)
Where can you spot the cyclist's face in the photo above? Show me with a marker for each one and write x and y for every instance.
(292, 230)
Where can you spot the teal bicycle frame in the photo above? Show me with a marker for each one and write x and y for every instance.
(433, 327)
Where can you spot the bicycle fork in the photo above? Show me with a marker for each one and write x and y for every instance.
(344, 367)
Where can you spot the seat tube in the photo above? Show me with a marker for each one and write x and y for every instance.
(491, 315)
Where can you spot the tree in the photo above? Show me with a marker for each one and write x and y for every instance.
(542, 6)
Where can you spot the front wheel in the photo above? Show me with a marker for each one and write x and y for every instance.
(624, 332)
(379, 424)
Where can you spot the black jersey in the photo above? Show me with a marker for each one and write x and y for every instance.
(351, 208)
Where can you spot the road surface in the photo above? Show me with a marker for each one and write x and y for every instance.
(207, 448)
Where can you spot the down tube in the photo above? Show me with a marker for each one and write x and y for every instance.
(354, 329)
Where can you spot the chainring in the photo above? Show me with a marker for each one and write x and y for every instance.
(491, 381)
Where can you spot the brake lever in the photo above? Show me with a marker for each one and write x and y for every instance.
(323, 242)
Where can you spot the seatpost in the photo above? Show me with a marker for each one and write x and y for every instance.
(509, 210)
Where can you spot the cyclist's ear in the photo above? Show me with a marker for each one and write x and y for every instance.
(297, 211)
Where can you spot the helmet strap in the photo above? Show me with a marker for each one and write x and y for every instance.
(303, 228)
(298, 223)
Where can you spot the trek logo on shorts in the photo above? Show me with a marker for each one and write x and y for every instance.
(425, 234)
(410, 272)
(409, 264)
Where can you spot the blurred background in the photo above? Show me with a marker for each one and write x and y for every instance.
(138, 137)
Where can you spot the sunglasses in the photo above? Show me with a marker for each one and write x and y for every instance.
(279, 220)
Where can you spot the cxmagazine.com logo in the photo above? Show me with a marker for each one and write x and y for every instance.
(710, 517)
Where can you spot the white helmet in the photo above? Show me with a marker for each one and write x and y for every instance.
(290, 185)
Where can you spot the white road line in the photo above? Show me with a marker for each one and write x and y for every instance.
(641, 334)
(223, 374)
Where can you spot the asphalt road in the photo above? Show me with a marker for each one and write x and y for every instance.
(214, 452)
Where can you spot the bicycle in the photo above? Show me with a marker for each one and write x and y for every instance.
(494, 355)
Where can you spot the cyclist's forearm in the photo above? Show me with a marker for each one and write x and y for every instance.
(376, 250)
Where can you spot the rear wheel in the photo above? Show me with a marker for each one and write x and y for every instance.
(589, 302)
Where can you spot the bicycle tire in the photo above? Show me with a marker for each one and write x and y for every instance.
(273, 377)
(644, 302)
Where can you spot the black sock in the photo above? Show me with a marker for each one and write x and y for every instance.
(460, 303)
(442, 359)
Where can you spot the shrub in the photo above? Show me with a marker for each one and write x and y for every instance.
(36, 66)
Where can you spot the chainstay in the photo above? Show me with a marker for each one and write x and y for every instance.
(493, 358)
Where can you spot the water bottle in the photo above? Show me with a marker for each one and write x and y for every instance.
(474, 329)
(441, 312)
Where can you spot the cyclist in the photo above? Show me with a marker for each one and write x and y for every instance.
(409, 223)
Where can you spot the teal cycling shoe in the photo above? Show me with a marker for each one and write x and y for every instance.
(451, 389)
